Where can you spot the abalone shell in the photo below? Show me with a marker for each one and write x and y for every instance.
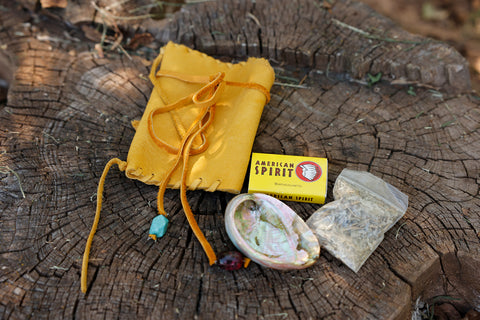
(270, 233)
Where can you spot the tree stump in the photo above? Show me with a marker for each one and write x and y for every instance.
(351, 87)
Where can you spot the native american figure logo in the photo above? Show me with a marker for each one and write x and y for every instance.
(308, 171)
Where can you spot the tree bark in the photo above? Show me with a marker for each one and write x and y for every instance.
(68, 111)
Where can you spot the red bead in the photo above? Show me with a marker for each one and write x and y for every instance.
(230, 260)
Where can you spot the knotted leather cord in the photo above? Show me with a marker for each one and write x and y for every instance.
(213, 89)
(214, 86)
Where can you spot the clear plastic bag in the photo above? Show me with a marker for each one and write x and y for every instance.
(352, 226)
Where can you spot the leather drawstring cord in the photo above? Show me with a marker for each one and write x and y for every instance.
(206, 100)
(121, 165)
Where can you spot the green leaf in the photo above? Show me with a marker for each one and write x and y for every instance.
(419, 114)
(373, 79)
(446, 124)
(411, 91)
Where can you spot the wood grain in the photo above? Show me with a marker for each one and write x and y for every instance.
(68, 111)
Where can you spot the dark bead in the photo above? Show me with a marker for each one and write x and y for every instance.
(230, 260)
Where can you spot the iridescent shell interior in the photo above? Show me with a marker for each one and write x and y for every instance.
(270, 233)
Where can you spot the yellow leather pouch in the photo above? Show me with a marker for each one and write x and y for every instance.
(222, 166)
(197, 130)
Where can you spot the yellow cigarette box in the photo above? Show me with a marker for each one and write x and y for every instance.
(290, 178)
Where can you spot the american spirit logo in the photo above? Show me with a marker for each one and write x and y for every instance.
(308, 171)
(274, 168)
(289, 197)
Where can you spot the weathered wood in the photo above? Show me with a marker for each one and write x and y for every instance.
(69, 111)
(342, 38)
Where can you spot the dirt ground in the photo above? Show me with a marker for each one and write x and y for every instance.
(456, 22)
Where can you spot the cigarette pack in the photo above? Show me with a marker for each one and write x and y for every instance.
(290, 178)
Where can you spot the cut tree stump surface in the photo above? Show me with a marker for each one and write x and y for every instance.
(68, 111)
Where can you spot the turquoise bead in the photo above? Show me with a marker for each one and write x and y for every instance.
(159, 226)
